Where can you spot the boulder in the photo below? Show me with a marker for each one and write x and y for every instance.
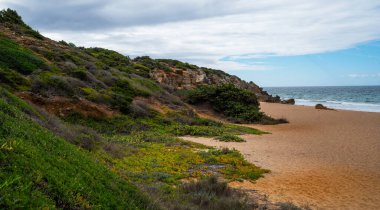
(289, 101)
(321, 106)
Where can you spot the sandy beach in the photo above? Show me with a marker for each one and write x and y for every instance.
(323, 158)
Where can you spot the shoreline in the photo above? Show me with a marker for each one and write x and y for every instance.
(323, 158)
(337, 109)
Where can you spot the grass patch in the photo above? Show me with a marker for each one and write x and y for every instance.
(230, 138)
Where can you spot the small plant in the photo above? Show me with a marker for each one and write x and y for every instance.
(230, 138)
(209, 193)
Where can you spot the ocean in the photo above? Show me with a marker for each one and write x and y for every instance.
(357, 98)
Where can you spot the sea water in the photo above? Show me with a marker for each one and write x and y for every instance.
(357, 98)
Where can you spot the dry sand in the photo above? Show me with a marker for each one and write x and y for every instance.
(323, 158)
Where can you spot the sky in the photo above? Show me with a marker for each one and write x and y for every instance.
(269, 42)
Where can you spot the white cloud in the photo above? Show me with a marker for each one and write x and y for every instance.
(204, 32)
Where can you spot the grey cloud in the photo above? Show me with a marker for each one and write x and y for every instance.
(98, 15)
(205, 32)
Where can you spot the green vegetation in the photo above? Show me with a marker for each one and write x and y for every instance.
(235, 103)
(230, 138)
(174, 123)
(10, 16)
(40, 170)
(13, 80)
(178, 64)
(209, 72)
(148, 64)
(15, 57)
(147, 151)
(210, 193)
(109, 57)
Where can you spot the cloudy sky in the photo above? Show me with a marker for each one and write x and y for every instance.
(270, 42)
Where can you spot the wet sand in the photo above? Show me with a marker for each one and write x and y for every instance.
(325, 159)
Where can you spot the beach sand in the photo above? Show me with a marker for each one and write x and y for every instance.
(323, 158)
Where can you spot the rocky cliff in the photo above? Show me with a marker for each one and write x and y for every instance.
(188, 78)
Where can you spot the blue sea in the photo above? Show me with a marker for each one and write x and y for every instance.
(357, 98)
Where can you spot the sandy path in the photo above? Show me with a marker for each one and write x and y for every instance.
(326, 159)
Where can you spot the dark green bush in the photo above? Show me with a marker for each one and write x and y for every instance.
(10, 16)
(122, 96)
(235, 103)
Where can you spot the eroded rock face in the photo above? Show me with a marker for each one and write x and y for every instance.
(190, 78)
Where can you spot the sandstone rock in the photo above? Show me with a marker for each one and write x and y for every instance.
(190, 78)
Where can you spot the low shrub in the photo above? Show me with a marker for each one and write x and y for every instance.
(230, 138)
(122, 95)
(49, 84)
(209, 193)
(139, 109)
(168, 99)
(13, 79)
(81, 136)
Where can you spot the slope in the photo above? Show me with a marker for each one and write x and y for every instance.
(39, 169)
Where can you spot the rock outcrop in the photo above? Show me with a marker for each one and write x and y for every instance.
(184, 79)
(289, 101)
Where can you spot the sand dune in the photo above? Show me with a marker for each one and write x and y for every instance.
(326, 159)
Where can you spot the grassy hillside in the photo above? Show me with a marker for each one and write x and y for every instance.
(95, 122)
(40, 170)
